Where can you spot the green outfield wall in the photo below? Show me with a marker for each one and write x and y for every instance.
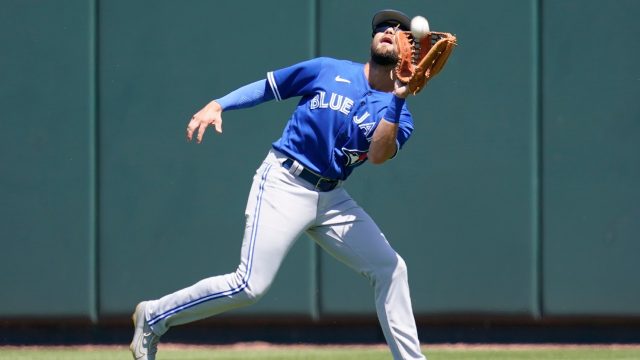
(518, 194)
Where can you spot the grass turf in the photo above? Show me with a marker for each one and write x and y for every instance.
(320, 353)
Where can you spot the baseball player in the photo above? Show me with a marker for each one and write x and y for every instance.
(348, 113)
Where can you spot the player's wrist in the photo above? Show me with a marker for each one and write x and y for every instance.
(401, 90)
(402, 95)
(394, 109)
(215, 105)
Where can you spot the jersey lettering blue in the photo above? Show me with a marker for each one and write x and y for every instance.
(337, 102)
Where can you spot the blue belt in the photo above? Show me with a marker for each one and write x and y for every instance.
(320, 183)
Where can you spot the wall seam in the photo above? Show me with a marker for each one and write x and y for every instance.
(94, 162)
(315, 253)
(538, 156)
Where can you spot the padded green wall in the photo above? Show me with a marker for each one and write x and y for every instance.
(516, 196)
(46, 147)
(591, 158)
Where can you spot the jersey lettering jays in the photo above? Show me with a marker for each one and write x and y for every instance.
(331, 129)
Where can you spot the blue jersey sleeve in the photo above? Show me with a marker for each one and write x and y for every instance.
(295, 80)
(246, 96)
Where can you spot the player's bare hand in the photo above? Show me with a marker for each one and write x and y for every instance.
(210, 115)
(401, 90)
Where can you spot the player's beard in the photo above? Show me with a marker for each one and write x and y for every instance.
(385, 58)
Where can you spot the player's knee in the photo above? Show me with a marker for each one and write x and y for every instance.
(401, 268)
(395, 269)
(251, 290)
(254, 291)
(253, 296)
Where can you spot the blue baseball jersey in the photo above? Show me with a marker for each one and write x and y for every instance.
(331, 129)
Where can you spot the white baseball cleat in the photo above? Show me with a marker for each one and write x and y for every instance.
(145, 343)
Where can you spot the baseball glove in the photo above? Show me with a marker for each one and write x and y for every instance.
(419, 61)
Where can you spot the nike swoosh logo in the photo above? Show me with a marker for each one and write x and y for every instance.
(340, 79)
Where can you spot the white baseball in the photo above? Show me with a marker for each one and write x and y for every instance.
(419, 27)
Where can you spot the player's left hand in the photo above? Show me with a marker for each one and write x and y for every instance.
(211, 114)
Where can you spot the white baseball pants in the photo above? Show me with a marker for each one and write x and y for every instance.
(279, 209)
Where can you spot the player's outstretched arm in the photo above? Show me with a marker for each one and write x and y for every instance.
(247, 96)
(211, 114)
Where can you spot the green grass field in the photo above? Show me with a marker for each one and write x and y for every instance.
(323, 353)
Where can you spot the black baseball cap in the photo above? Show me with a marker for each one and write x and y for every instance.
(394, 17)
